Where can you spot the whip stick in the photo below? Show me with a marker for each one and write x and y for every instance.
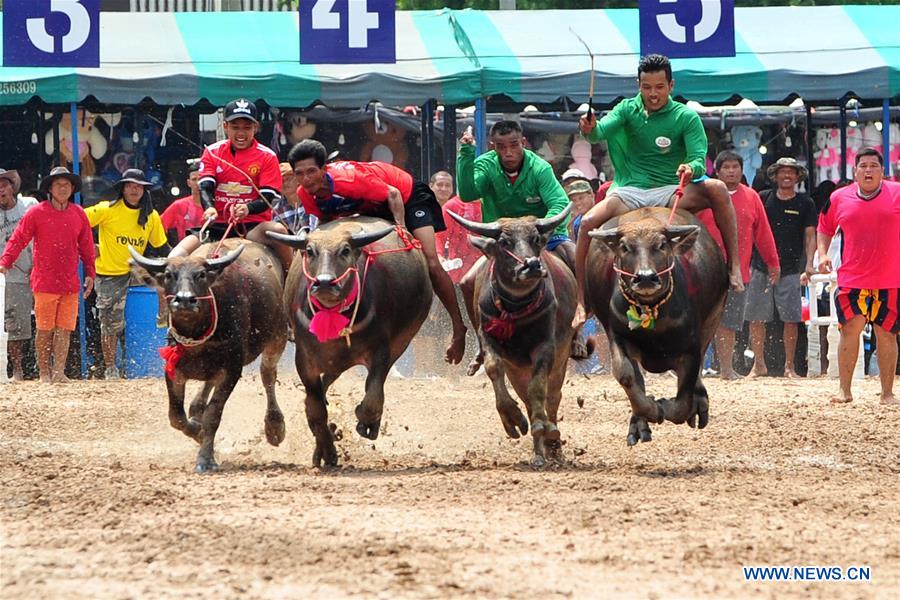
(591, 85)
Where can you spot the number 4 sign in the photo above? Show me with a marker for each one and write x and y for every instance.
(51, 33)
(348, 31)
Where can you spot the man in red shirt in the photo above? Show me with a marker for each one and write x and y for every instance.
(868, 215)
(239, 182)
(753, 231)
(453, 242)
(61, 234)
(339, 189)
(184, 213)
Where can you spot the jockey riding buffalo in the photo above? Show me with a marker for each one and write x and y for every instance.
(524, 302)
(659, 291)
(224, 312)
(357, 296)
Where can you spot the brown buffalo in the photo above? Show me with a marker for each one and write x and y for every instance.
(524, 304)
(224, 313)
(350, 306)
(659, 292)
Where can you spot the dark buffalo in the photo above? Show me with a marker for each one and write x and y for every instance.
(524, 304)
(659, 292)
(225, 312)
(363, 307)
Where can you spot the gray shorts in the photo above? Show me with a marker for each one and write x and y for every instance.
(735, 307)
(112, 291)
(763, 299)
(633, 197)
(19, 304)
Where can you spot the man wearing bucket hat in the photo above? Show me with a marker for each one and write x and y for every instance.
(61, 234)
(130, 220)
(240, 181)
(19, 300)
(792, 218)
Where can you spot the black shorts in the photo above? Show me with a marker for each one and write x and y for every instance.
(422, 209)
(217, 230)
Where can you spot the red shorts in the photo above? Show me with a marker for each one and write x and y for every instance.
(881, 307)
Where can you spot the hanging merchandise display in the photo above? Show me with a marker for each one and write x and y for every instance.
(746, 140)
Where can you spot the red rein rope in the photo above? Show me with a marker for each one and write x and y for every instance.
(231, 223)
(685, 180)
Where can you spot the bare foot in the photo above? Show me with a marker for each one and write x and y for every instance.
(754, 373)
(457, 347)
(60, 378)
(841, 399)
(889, 399)
(46, 379)
(18, 376)
(729, 376)
(790, 373)
(736, 280)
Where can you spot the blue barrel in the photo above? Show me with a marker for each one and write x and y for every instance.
(142, 337)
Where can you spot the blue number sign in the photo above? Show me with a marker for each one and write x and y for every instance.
(348, 31)
(687, 28)
(51, 33)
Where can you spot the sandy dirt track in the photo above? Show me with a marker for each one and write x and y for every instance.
(98, 498)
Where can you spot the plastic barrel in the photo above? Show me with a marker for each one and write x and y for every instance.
(142, 337)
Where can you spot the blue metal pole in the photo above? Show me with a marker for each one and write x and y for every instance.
(886, 135)
(480, 126)
(76, 168)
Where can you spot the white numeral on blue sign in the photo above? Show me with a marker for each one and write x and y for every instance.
(323, 18)
(79, 27)
(359, 20)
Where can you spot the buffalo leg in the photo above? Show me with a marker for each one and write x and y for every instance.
(368, 412)
(274, 421)
(212, 416)
(554, 396)
(198, 404)
(317, 419)
(700, 405)
(643, 409)
(177, 418)
(510, 415)
(683, 407)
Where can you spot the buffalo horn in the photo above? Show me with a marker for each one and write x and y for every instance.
(223, 261)
(491, 230)
(358, 240)
(153, 265)
(676, 232)
(294, 241)
(550, 223)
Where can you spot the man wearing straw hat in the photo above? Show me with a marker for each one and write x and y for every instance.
(19, 300)
(128, 221)
(62, 236)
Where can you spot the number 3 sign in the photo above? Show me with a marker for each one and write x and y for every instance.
(51, 33)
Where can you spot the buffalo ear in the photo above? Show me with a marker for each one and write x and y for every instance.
(156, 279)
(682, 237)
(609, 237)
(486, 245)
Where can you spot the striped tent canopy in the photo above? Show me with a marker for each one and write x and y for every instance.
(458, 56)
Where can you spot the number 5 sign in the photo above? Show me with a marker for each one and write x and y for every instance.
(687, 28)
(51, 33)
(347, 31)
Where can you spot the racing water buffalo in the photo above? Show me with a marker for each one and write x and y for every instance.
(224, 313)
(659, 291)
(525, 301)
(357, 296)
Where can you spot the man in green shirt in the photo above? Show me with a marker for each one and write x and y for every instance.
(511, 181)
(653, 140)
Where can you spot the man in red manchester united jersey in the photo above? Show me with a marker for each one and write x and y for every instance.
(378, 189)
(240, 179)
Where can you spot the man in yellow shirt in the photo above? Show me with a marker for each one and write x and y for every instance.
(128, 221)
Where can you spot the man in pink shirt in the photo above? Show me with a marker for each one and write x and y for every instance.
(184, 213)
(61, 234)
(868, 215)
(453, 243)
(753, 231)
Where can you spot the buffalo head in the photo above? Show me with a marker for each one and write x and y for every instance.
(645, 253)
(329, 257)
(515, 245)
(184, 280)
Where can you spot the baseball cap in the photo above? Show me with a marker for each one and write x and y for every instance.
(573, 174)
(240, 109)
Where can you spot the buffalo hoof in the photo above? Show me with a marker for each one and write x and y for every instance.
(638, 430)
(326, 455)
(582, 346)
(275, 428)
(475, 364)
(553, 450)
(206, 465)
(194, 430)
(538, 461)
(515, 424)
(699, 416)
(368, 430)
(195, 410)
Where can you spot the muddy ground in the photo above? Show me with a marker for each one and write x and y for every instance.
(98, 498)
